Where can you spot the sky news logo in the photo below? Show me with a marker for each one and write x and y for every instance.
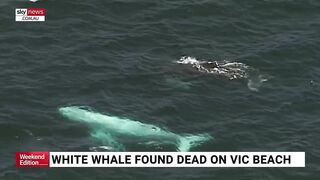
(30, 14)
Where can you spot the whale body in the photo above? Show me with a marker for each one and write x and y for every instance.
(230, 70)
(108, 128)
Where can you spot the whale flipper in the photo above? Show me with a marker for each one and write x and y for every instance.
(187, 142)
(107, 138)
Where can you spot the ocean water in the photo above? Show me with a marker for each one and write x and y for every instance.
(120, 57)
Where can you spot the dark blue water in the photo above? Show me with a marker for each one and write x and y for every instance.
(119, 57)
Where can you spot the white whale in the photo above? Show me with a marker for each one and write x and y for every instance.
(108, 128)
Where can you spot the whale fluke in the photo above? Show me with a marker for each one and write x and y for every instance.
(190, 141)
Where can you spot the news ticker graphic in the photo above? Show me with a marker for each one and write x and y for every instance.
(30, 14)
(159, 159)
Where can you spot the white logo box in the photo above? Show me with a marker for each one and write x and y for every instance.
(22, 15)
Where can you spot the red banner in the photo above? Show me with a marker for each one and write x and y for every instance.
(36, 11)
(32, 159)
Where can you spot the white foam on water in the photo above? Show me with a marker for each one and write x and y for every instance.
(255, 83)
(187, 60)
